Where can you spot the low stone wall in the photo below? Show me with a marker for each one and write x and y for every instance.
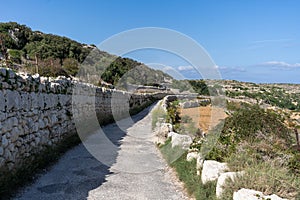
(38, 112)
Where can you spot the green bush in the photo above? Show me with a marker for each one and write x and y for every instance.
(254, 125)
(173, 116)
(200, 87)
(70, 65)
(258, 142)
(15, 56)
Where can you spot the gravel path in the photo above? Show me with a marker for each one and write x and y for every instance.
(135, 170)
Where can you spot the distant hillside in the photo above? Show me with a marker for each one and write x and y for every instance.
(281, 95)
(120, 72)
(53, 55)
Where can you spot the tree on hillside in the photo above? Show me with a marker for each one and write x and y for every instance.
(15, 55)
(70, 65)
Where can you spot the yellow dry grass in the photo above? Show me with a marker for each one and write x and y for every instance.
(205, 117)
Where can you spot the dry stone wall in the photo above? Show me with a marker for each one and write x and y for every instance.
(36, 112)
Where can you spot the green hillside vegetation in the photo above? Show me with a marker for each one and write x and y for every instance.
(201, 87)
(255, 140)
(124, 71)
(281, 95)
(276, 97)
(119, 72)
(52, 55)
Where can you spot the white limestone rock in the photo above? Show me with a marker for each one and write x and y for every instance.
(247, 194)
(170, 134)
(165, 128)
(183, 141)
(212, 170)
(222, 178)
(161, 132)
(199, 164)
(191, 156)
(37, 78)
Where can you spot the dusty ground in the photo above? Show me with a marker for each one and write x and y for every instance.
(205, 117)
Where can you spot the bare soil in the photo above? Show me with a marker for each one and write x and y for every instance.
(205, 117)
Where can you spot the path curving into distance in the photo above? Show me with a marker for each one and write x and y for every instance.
(137, 171)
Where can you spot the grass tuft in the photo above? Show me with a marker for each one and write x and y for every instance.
(186, 172)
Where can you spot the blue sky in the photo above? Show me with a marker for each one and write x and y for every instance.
(255, 40)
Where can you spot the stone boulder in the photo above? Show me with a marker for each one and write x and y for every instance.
(247, 194)
(170, 134)
(199, 164)
(165, 128)
(212, 170)
(191, 156)
(222, 179)
(182, 141)
(190, 104)
(161, 132)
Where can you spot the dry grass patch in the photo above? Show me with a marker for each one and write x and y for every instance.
(204, 117)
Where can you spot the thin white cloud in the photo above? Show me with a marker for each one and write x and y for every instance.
(185, 68)
(280, 64)
(166, 68)
(225, 69)
(258, 44)
(267, 72)
(271, 41)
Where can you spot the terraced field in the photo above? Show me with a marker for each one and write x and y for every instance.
(205, 117)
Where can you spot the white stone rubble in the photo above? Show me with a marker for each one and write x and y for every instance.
(247, 194)
(191, 156)
(212, 170)
(222, 179)
(182, 141)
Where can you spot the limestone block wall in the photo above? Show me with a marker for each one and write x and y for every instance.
(36, 112)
